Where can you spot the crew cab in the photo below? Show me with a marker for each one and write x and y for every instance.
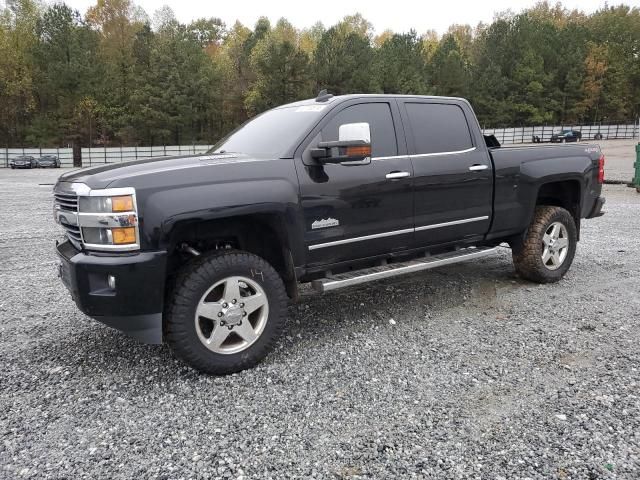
(204, 251)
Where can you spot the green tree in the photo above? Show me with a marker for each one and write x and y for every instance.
(113, 76)
(17, 39)
(281, 70)
(399, 66)
(342, 62)
(65, 65)
(449, 68)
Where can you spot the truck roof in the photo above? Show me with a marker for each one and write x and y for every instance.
(342, 98)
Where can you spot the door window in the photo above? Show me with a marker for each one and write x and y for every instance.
(378, 116)
(438, 128)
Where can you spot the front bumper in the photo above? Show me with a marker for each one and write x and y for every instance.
(134, 306)
(596, 211)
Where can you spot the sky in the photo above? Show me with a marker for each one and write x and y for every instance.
(397, 15)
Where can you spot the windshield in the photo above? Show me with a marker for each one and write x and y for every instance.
(271, 133)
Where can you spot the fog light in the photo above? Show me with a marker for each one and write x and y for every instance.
(111, 281)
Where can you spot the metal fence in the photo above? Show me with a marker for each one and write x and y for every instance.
(101, 155)
(64, 154)
(589, 132)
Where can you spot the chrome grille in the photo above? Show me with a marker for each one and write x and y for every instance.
(73, 233)
(66, 201)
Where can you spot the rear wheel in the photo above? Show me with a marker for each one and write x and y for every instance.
(549, 246)
(226, 312)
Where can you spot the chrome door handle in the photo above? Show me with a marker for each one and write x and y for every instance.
(396, 175)
(476, 168)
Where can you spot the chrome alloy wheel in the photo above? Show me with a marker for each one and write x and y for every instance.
(232, 315)
(555, 245)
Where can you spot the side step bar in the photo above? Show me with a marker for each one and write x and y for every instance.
(392, 270)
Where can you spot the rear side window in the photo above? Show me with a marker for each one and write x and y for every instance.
(438, 128)
(378, 116)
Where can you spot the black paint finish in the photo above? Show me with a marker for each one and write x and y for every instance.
(344, 201)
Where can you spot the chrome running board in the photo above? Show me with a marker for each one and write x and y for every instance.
(394, 269)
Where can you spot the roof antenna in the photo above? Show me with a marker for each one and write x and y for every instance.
(323, 96)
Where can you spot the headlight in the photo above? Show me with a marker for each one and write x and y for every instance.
(109, 219)
(115, 204)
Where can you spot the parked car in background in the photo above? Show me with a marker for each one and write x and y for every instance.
(23, 161)
(49, 161)
(566, 136)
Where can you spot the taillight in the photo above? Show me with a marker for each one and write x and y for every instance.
(601, 169)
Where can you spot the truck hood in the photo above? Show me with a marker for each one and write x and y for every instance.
(104, 175)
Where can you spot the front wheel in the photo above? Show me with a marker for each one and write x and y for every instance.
(549, 246)
(226, 312)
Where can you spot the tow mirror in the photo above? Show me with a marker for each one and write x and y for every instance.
(353, 145)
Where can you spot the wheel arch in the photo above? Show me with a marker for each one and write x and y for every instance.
(562, 193)
(565, 193)
(264, 234)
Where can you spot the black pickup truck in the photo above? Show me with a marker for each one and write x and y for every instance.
(204, 251)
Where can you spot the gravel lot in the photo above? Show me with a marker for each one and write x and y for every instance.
(462, 372)
(620, 155)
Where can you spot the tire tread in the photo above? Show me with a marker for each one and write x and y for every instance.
(178, 319)
(526, 258)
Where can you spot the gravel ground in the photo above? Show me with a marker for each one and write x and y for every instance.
(462, 372)
(620, 156)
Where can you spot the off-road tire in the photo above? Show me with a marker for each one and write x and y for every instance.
(193, 282)
(527, 257)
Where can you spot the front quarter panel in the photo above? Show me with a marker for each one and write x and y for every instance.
(212, 191)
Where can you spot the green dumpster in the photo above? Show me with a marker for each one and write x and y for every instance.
(636, 179)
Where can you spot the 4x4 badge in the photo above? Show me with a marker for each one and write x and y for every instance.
(324, 223)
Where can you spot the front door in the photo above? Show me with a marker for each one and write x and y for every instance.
(453, 178)
(361, 209)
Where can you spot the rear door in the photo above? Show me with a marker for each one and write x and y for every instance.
(453, 178)
(359, 209)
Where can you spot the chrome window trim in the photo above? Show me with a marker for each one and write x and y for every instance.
(419, 155)
(397, 232)
(454, 222)
(456, 152)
